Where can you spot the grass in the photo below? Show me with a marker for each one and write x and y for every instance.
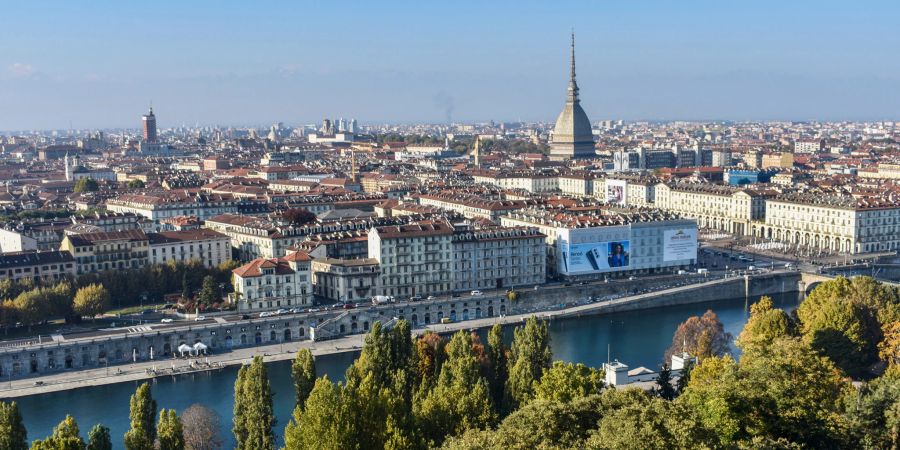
(134, 309)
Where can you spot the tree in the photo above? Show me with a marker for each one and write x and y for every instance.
(889, 347)
(99, 438)
(499, 371)
(142, 434)
(253, 415)
(765, 324)
(136, 184)
(13, 435)
(298, 216)
(871, 413)
(564, 382)
(702, 337)
(185, 286)
(91, 300)
(460, 399)
(29, 307)
(202, 428)
(664, 386)
(303, 372)
(86, 185)
(430, 358)
(656, 424)
(529, 356)
(209, 293)
(170, 431)
(65, 437)
(322, 424)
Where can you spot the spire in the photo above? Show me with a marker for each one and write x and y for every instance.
(572, 95)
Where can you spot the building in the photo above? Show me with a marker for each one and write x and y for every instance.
(833, 223)
(474, 206)
(778, 160)
(345, 280)
(808, 146)
(497, 258)
(162, 205)
(717, 207)
(572, 134)
(208, 246)
(148, 122)
(114, 250)
(272, 283)
(415, 259)
(49, 266)
(611, 242)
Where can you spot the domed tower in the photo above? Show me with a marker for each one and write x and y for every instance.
(572, 136)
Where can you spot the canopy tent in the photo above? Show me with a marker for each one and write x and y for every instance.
(200, 347)
(185, 348)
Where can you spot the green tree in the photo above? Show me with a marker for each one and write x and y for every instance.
(170, 431)
(499, 370)
(838, 327)
(664, 386)
(91, 300)
(564, 382)
(303, 372)
(86, 185)
(529, 356)
(871, 413)
(185, 286)
(209, 293)
(322, 424)
(65, 437)
(142, 433)
(460, 399)
(99, 438)
(786, 391)
(13, 435)
(29, 307)
(253, 415)
(765, 324)
(656, 424)
(135, 184)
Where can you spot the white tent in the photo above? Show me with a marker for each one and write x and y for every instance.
(185, 348)
(200, 347)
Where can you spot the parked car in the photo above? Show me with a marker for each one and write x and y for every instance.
(349, 306)
(415, 298)
(430, 297)
(199, 318)
(476, 293)
(167, 320)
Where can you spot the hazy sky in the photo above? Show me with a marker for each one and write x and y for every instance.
(100, 63)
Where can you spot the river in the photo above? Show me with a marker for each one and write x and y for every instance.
(637, 338)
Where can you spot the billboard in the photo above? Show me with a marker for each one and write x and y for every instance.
(617, 192)
(582, 251)
(596, 257)
(680, 244)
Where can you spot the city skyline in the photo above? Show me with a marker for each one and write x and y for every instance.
(421, 63)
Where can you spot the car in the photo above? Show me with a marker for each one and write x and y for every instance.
(415, 298)
(430, 297)
(167, 320)
(38, 383)
(476, 293)
(245, 316)
(199, 318)
(148, 311)
(631, 278)
(349, 306)
(312, 310)
(280, 312)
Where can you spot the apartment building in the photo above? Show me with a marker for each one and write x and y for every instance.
(833, 223)
(497, 258)
(158, 206)
(49, 266)
(210, 247)
(415, 259)
(114, 250)
(473, 206)
(718, 207)
(345, 280)
(272, 283)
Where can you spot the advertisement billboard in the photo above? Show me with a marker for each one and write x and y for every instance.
(616, 192)
(680, 244)
(596, 257)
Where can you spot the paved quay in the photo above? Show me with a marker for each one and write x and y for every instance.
(142, 370)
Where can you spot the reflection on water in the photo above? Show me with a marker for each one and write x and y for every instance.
(637, 338)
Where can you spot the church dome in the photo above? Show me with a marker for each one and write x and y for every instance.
(572, 135)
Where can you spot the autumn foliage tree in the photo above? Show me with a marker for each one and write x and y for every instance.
(701, 336)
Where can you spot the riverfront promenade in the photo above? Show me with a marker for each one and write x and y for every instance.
(284, 351)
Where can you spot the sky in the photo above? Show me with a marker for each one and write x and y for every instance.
(100, 64)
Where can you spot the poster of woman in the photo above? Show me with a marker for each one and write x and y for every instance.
(618, 254)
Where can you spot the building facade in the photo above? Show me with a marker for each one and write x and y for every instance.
(273, 283)
(115, 250)
(208, 246)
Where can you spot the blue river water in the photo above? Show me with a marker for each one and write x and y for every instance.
(637, 338)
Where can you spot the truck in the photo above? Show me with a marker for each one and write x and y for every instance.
(382, 299)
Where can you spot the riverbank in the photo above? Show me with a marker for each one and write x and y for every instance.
(143, 370)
